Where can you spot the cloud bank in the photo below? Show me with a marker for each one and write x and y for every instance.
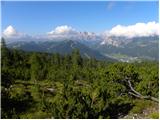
(65, 32)
(137, 30)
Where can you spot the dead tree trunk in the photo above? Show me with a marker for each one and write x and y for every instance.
(138, 95)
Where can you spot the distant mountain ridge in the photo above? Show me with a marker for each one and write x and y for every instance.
(61, 47)
(141, 47)
(132, 48)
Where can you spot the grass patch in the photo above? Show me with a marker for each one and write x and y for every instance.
(140, 105)
(154, 115)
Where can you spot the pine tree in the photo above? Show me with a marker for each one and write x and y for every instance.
(76, 58)
(5, 54)
(35, 67)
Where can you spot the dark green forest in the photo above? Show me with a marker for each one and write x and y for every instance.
(45, 85)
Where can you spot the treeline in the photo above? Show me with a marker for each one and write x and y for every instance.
(42, 85)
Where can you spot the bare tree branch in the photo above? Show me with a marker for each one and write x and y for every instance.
(134, 94)
(154, 99)
(129, 82)
(137, 94)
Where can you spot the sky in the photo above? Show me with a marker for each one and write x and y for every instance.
(41, 17)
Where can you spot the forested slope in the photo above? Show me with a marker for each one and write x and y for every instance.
(42, 85)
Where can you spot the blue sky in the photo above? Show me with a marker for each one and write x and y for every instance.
(41, 17)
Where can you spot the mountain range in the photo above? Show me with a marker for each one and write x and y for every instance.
(111, 48)
(61, 47)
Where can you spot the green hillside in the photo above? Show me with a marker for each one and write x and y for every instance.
(42, 85)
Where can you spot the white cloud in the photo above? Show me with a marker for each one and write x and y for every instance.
(137, 30)
(64, 29)
(110, 5)
(10, 32)
(62, 32)
(67, 32)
